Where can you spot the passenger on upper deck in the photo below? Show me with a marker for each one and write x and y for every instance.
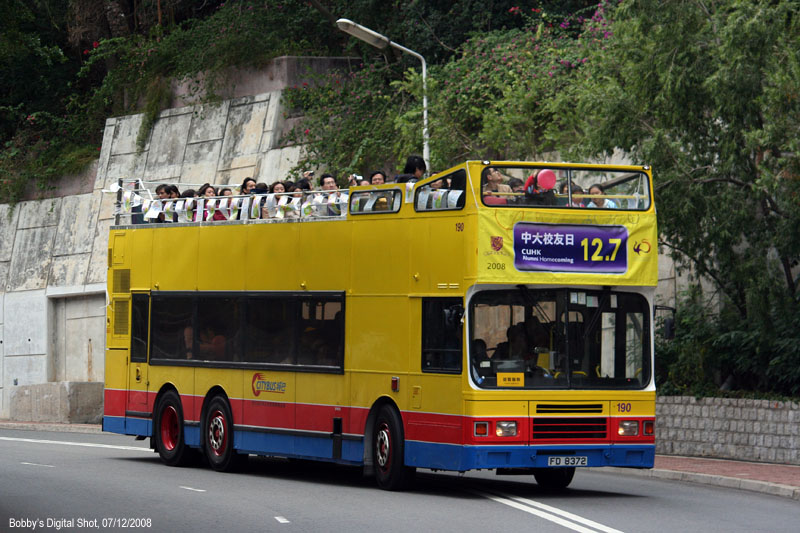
(336, 199)
(516, 184)
(492, 180)
(563, 198)
(304, 185)
(162, 193)
(607, 203)
(207, 191)
(415, 165)
(377, 178)
(247, 185)
(539, 188)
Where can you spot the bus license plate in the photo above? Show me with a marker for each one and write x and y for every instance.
(567, 460)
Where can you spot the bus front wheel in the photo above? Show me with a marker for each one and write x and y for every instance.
(554, 478)
(388, 451)
(168, 430)
(218, 437)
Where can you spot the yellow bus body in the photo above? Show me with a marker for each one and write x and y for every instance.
(384, 265)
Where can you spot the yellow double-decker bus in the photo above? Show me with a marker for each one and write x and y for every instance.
(498, 315)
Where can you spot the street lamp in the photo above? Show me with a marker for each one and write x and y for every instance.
(382, 42)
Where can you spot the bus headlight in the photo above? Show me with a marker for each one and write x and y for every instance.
(628, 428)
(506, 428)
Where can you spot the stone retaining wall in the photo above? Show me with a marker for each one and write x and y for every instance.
(727, 428)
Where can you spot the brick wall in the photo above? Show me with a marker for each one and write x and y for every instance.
(726, 428)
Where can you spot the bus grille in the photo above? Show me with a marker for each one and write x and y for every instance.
(121, 317)
(569, 408)
(122, 281)
(549, 428)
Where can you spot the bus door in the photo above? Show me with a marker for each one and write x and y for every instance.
(434, 416)
(137, 408)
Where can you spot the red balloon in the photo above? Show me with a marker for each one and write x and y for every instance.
(546, 179)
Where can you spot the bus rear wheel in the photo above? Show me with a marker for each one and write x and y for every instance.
(554, 478)
(168, 430)
(218, 437)
(388, 451)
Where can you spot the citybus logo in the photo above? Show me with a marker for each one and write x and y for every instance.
(642, 247)
(260, 385)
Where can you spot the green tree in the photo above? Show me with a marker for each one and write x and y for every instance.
(707, 93)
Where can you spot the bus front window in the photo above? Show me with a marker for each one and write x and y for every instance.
(559, 339)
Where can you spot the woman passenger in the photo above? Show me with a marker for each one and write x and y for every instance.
(207, 191)
(603, 203)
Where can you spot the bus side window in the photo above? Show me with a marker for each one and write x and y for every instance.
(444, 194)
(171, 315)
(140, 325)
(441, 335)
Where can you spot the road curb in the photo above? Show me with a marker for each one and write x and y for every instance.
(46, 426)
(764, 487)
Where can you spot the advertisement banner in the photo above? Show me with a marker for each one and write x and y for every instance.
(530, 246)
(570, 248)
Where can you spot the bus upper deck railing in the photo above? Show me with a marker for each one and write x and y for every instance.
(268, 206)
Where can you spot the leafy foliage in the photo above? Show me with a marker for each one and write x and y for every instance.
(707, 94)
(494, 97)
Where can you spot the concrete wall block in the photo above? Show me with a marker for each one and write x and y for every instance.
(274, 111)
(105, 152)
(125, 134)
(208, 122)
(84, 348)
(5, 266)
(9, 217)
(98, 266)
(25, 327)
(60, 402)
(200, 162)
(30, 264)
(243, 134)
(165, 158)
(69, 270)
(38, 213)
(85, 306)
(128, 167)
(77, 224)
(25, 370)
(107, 205)
(85, 403)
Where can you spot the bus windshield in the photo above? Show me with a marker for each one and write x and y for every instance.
(559, 339)
(567, 188)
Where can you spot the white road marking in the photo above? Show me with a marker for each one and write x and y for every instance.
(36, 464)
(85, 444)
(548, 512)
(281, 519)
(193, 490)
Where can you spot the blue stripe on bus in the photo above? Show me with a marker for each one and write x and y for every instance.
(114, 424)
(282, 445)
(138, 426)
(128, 425)
(191, 435)
(455, 457)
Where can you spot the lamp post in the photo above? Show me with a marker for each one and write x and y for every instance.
(382, 42)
